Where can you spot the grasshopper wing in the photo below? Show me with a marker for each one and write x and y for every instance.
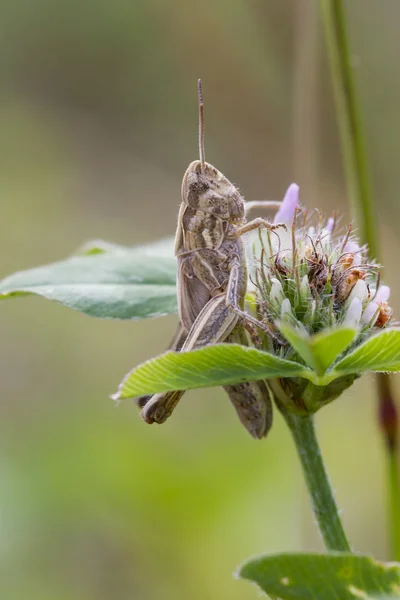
(193, 295)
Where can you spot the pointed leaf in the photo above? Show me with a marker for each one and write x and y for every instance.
(163, 247)
(101, 247)
(131, 284)
(221, 364)
(319, 351)
(336, 576)
(379, 353)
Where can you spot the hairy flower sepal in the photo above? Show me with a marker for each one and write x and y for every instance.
(302, 397)
(227, 364)
(318, 351)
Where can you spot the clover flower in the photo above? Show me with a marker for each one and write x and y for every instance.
(312, 281)
(313, 277)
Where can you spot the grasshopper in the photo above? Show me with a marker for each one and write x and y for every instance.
(212, 282)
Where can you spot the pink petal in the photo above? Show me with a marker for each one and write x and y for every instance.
(382, 295)
(288, 207)
(330, 224)
(352, 246)
(355, 249)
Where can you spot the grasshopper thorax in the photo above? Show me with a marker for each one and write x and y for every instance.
(205, 189)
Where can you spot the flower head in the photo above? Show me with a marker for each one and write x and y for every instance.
(310, 281)
(315, 278)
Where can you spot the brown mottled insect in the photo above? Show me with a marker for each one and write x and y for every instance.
(212, 282)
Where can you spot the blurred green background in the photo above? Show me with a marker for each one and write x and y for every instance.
(98, 121)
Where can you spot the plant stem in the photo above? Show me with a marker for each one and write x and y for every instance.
(319, 488)
(388, 420)
(306, 92)
(362, 207)
(349, 122)
(394, 503)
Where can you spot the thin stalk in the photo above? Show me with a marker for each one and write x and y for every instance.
(319, 487)
(362, 207)
(388, 420)
(306, 62)
(349, 122)
(394, 503)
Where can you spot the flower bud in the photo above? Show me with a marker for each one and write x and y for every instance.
(359, 291)
(276, 294)
(353, 313)
(305, 292)
(370, 314)
(382, 295)
(286, 309)
(353, 247)
(385, 314)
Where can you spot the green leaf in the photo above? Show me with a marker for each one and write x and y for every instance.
(339, 576)
(220, 364)
(319, 351)
(379, 353)
(164, 248)
(117, 283)
(102, 247)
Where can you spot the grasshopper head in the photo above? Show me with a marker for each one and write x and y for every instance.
(204, 188)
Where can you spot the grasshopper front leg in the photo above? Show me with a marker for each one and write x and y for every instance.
(233, 302)
(263, 204)
(256, 224)
(213, 325)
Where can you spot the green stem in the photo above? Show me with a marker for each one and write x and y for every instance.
(319, 488)
(349, 122)
(388, 420)
(394, 503)
(362, 207)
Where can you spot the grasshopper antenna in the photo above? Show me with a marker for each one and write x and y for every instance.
(201, 125)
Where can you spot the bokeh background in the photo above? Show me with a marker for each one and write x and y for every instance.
(98, 121)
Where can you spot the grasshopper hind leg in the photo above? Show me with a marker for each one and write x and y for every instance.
(232, 301)
(160, 406)
(176, 344)
(213, 325)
